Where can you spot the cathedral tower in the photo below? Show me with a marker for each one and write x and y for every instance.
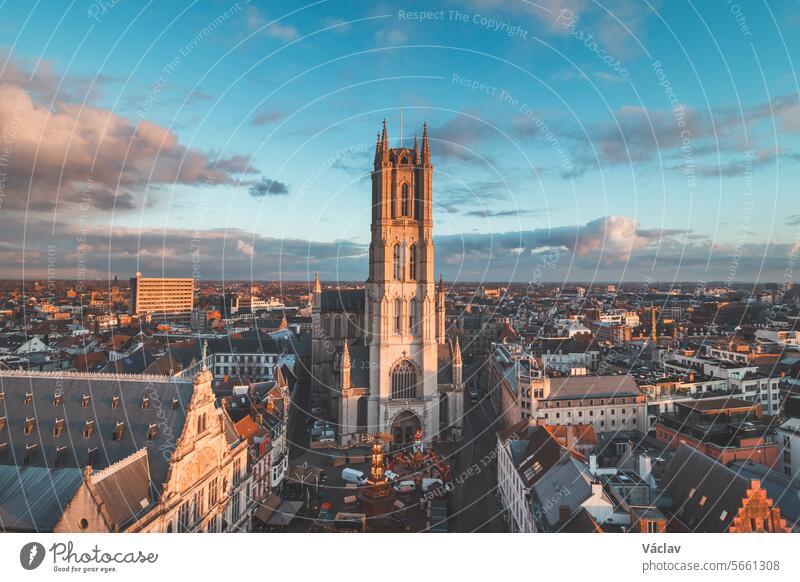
(401, 300)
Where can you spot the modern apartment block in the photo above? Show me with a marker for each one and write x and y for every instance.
(162, 296)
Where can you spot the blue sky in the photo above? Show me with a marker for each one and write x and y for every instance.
(601, 141)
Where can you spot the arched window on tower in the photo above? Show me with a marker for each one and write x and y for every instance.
(398, 317)
(412, 316)
(404, 380)
(406, 201)
(397, 264)
(412, 262)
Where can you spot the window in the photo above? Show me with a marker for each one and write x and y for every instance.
(412, 316)
(652, 527)
(88, 429)
(119, 431)
(30, 423)
(404, 380)
(61, 454)
(114, 401)
(412, 262)
(183, 517)
(201, 423)
(152, 431)
(28, 397)
(406, 201)
(86, 400)
(58, 428)
(397, 264)
(58, 399)
(145, 403)
(398, 317)
(213, 492)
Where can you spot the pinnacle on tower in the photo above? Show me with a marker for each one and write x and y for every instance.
(384, 142)
(378, 148)
(317, 286)
(457, 353)
(416, 150)
(426, 150)
(441, 284)
(346, 356)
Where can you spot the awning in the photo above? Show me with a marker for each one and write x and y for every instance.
(265, 510)
(285, 513)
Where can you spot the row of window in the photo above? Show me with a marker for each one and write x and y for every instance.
(398, 264)
(88, 428)
(246, 358)
(86, 400)
(413, 317)
(409, 208)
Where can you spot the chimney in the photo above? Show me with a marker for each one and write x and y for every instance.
(593, 464)
(645, 467)
(570, 437)
(691, 376)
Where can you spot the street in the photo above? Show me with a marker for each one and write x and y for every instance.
(473, 503)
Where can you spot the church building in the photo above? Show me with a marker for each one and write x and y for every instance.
(382, 353)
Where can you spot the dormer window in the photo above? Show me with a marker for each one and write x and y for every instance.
(152, 431)
(30, 450)
(86, 400)
(3, 422)
(114, 401)
(58, 399)
(119, 431)
(88, 429)
(61, 454)
(58, 428)
(2, 395)
(175, 403)
(28, 397)
(30, 423)
(145, 403)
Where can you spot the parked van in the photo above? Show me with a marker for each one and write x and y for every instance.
(404, 487)
(392, 476)
(428, 484)
(353, 476)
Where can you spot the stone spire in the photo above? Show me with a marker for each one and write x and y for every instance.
(426, 150)
(457, 364)
(317, 286)
(416, 150)
(384, 143)
(377, 149)
(344, 368)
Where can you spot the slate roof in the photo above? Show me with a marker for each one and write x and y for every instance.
(344, 300)
(691, 472)
(32, 499)
(567, 483)
(359, 366)
(445, 367)
(101, 388)
(575, 387)
(125, 488)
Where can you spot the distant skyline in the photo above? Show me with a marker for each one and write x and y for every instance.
(234, 140)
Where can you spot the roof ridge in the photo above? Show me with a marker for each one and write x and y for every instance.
(96, 376)
(119, 465)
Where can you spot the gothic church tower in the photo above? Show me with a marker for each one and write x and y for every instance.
(401, 300)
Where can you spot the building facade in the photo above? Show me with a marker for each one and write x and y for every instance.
(162, 296)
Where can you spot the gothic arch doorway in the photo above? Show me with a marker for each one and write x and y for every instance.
(404, 428)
